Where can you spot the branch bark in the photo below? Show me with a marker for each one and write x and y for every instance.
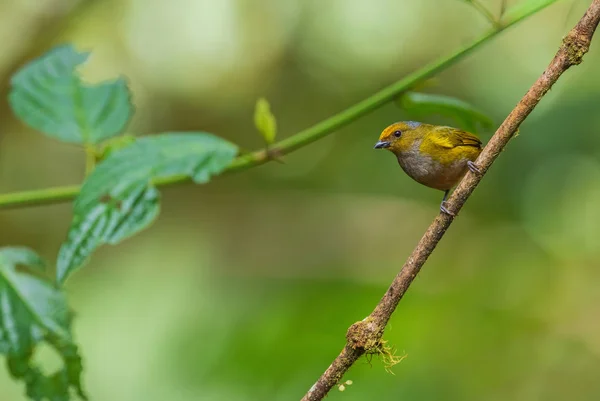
(366, 336)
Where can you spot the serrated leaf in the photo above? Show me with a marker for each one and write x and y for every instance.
(33, 310)
(49, 95)
(265, 121)
(423, 104)
(525, 8)
(118, 199)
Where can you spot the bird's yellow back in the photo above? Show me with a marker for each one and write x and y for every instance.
(447, 144)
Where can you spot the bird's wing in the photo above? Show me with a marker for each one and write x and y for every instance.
(448, 137)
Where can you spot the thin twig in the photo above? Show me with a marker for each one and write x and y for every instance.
(366, 335)
(328, 126)
(485, 12)
(502, 9)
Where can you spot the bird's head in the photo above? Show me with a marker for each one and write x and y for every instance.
(399, 137)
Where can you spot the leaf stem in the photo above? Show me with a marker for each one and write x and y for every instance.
(485, 12)
(90, 159)
(302, 138)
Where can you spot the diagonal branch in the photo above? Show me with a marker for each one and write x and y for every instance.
(302, 138)
(365, 336)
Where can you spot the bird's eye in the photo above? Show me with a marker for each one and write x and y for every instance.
(397, 134)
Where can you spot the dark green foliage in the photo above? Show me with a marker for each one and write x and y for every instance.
(423, 104)
(118, 199)
(33, 310)
(49, 96)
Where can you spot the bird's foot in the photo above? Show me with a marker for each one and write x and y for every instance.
(473, 167)
(443, 209)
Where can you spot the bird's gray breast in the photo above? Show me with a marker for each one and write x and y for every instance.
(423, 169)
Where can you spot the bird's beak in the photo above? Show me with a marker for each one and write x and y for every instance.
(382, 145)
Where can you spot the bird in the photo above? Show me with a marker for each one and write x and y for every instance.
(435, 156)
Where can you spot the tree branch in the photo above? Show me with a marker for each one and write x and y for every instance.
(365, 336)
(299, 140)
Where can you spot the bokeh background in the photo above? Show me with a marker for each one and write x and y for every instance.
(244, 288)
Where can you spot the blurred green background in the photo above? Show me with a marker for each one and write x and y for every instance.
(244, 288)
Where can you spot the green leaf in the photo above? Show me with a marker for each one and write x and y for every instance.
(118, 199)
(114, 144)
(48, 95)
(525, 8)
(423, 104)
(33, 310)
(265, 121)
